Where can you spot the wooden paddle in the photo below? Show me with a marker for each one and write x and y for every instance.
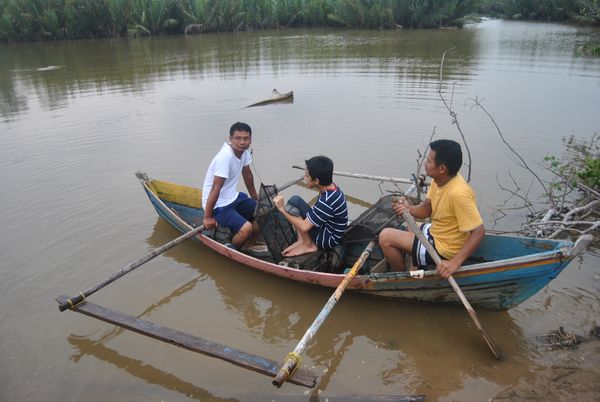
(292, 360)
(70, 303)
(410, 221)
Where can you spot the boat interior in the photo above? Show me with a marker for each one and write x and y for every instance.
(277, 233)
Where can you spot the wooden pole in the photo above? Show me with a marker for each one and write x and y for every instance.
(410, 221)
(71, 302)
(367, 176)
(292, 361)
(188, 341)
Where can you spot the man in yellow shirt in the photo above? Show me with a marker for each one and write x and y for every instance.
(456, 227)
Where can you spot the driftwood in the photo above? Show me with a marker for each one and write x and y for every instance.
(277, 97)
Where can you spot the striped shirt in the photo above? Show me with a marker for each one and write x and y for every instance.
(330, 216)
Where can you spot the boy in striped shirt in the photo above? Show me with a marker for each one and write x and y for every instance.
(323, 225)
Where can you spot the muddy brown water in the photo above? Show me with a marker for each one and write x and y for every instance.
(78, 118)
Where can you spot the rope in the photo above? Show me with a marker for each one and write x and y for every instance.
(254, 166)
(71, 305)
(295, 356)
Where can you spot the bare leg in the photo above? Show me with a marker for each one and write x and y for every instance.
(254, 236)
(241, 237)
(394, 243)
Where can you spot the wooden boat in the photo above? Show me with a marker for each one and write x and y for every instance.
(503, 272)
(277, 97)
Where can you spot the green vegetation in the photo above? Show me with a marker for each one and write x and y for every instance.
(591, 49)
(30, 20)
(584, 12)
(581, 164)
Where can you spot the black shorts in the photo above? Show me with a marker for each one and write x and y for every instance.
(420, 256)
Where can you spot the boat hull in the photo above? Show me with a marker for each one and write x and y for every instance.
(497, 285)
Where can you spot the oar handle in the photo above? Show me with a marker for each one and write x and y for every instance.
(73, 301)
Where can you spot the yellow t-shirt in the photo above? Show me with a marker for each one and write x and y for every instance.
(454, 214)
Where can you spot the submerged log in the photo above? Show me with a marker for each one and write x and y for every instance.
(277, 97)
(186, 341)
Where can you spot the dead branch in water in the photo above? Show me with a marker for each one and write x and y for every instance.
(478, 103)
(453, 114)
(572, 207)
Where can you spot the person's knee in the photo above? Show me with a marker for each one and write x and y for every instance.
(385, 237)
(295, 199)
(294, 205)
(246, 229)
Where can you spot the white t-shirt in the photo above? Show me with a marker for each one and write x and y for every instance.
(226, 165)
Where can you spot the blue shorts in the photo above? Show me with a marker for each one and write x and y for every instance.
(236, 214)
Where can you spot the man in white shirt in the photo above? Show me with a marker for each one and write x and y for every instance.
(223, 204)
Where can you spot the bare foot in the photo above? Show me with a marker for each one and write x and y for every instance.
(291, 247)
(302, 249)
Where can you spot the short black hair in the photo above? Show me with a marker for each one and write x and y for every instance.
(320, 167)
(239, 126)
(447, 152)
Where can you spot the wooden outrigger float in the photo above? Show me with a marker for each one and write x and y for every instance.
(174, 337)
(189, 342)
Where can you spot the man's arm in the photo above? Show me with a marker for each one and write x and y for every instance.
(303, 225)
(448, 267)
(421, 211)
(249, 181)
(213, 196)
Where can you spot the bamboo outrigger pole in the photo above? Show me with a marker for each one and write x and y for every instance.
(410, 221)
(73, 301)
(292, 360)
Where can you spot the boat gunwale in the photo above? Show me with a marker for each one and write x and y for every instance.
(561, 253)
(331, 280)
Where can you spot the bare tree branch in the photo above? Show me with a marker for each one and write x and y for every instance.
(453, 114)
(478, 103)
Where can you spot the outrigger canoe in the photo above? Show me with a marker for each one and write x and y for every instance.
(503, 272)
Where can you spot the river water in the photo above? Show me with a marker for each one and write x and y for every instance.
(78, 118)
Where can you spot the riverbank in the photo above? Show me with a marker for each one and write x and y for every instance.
(573, 375)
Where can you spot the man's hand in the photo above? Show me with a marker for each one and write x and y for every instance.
(210, 222)
(279, 202)
(400, 205)
(447, 268)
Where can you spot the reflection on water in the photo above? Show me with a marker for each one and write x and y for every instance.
(138, 65)
(400, 353)
(86, 347)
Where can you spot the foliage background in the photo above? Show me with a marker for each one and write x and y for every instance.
(31, 20)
